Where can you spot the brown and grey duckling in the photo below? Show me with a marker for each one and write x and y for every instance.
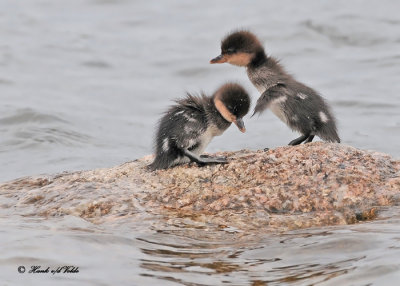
(296, 104)
(188, 127)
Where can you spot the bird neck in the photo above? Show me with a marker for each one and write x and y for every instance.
(215, 117)
(259, 59)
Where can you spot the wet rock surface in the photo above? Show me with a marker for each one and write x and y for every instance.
(309, 185)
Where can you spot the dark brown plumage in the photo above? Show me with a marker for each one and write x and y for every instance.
(188, 127)
(296, 104)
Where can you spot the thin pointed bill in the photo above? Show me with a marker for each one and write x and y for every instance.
(218, 60)
(240, 124)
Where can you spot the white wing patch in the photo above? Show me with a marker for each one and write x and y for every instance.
(165, 144)
(324, 117)
(302, 95)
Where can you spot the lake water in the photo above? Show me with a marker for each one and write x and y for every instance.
(83, 83)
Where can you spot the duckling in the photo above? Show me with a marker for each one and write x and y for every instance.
(188, 127)
(296, 104)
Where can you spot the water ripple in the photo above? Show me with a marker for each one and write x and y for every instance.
(27, 128)
(347, 38)
(28, 115)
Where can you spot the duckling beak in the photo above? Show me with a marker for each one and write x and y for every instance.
(240, 124)
(218, 60)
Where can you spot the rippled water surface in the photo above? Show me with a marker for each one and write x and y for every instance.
(169, 253)
(83, 83)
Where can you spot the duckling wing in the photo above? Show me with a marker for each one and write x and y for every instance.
(273, 94)
(187, 129)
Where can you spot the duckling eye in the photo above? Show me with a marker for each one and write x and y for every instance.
(230, 51)
(231, 108)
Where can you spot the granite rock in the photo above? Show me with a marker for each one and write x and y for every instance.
(314, 184)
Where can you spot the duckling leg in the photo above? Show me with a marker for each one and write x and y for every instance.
(208, 156)
(299, 140)
(204, 156)
(309, 139)
(204, 160)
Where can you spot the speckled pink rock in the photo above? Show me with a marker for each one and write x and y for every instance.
(308, 185)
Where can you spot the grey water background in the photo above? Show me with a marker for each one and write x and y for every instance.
(83, 83)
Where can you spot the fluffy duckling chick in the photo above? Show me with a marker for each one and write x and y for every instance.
(296, 104)
(188, 127)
